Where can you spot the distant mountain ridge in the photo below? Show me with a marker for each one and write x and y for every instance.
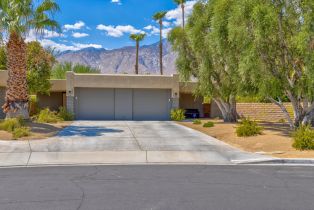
(122, 61)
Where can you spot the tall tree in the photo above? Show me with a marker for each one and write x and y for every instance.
(17, 17)
(182, 5)
(137, 38)
(206, 51)
(278, 38)
(159, 17)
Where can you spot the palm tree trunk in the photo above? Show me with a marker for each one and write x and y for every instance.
(160, 52)
(183, 15)
(16, 99)
(136, 64)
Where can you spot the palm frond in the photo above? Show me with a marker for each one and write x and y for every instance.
(47, 6)
(21, 16)
(159, 15)
(137, 37)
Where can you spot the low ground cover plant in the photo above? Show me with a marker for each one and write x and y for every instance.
(197, 122)
(65, 115)
(208, 124)
(10, 125)
(47, 116)
(21, 132)
(248, 128)
(16, 126)
(303, 138)
(177, 114)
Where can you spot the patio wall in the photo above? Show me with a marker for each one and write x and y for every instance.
(256, 111)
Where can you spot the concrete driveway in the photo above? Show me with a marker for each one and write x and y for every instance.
(128, 141)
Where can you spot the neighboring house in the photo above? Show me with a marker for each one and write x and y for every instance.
(117, 97)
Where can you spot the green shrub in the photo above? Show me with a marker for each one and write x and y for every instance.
(197, 122)
(247, 128)
(65, 115)
(304, 138)
(209, 124)
(59, 70)
(21, 132)
(47, 116)
(177, 114)
(11, 124)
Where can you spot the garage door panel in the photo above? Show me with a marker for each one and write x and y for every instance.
(151, 104)
(95, 104)
(123, 104)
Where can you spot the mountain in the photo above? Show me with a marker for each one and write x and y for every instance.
(123, 60)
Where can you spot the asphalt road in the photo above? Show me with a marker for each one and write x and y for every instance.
(158, 187)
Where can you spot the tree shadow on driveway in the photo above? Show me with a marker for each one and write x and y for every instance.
(87, 131)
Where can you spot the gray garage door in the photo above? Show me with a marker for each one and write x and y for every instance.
(122, 104)
(2, 95)
(151, 104)
(94, 104)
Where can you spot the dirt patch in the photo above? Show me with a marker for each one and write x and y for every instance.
(275, 141)
(38, 130)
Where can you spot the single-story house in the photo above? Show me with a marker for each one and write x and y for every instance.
(118, 97)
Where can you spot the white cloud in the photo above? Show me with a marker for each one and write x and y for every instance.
(176, 14)
(82, 46)
(153, 30)
(166, 23)
(118, 31)
(79, 35)
(34, 35)
(76, 26)
(63, 47)
(116, 2)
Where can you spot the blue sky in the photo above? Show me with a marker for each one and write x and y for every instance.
(108, 23)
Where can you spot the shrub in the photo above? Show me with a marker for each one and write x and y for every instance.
(11, 124)
(177, 114)
(65, 115)
(21, 132)
(209, 124)
(197, 122)
(59, 70)
(303, 138)
(248, 128)
(47, 116)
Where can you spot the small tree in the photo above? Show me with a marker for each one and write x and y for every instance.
(137, 38)
(39, 65)
(159, 17)
(3, 58)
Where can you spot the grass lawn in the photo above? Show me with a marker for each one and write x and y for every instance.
(38, 130)
(275, 140)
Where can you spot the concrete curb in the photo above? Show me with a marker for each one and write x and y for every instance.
(277, 161)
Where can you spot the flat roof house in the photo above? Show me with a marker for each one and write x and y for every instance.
(117, 97)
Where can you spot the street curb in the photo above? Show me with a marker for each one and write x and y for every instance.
(279, 161)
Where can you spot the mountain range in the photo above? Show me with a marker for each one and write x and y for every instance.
(122, 61)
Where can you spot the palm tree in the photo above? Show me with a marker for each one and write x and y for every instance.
(159, 17)
(137, 38)
(17, 18)
(182, 4)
